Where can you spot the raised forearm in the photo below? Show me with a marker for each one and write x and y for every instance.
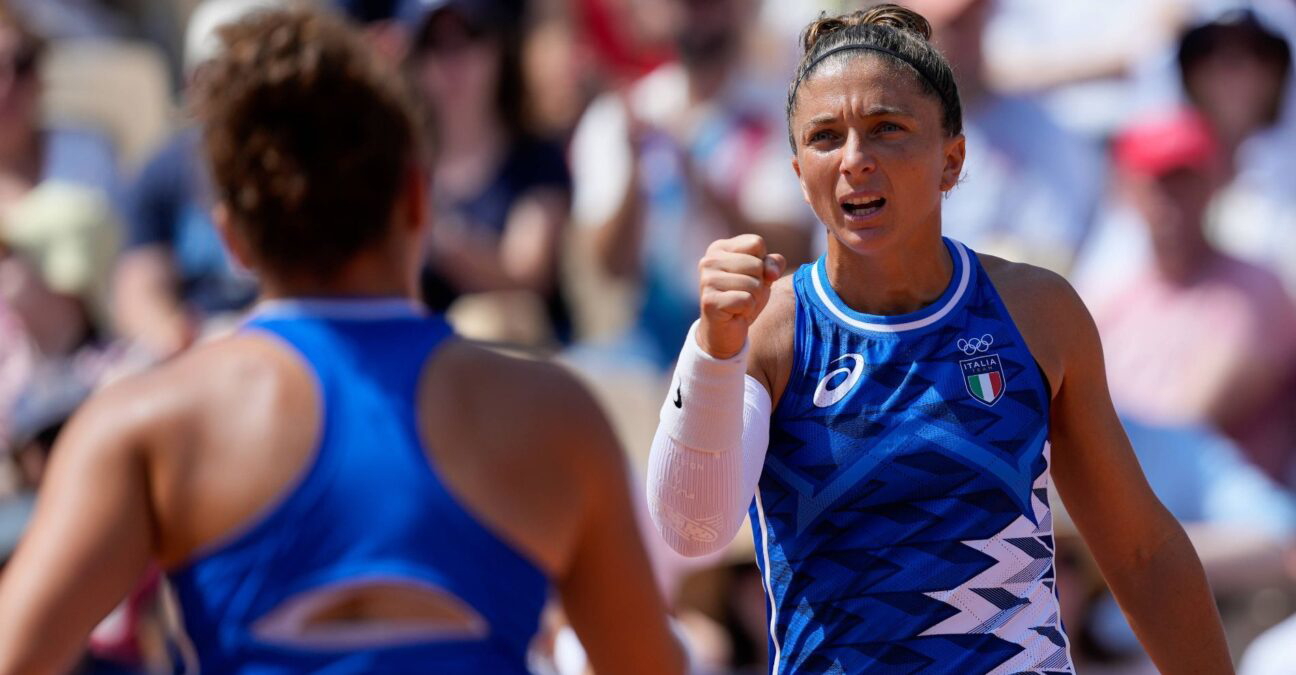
(618, 239)
(1169, 603)
(707, 452)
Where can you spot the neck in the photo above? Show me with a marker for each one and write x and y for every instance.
(894, 282)
(1184, 262)
(370, 275)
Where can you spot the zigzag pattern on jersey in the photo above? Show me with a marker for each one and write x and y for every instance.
(908, 525)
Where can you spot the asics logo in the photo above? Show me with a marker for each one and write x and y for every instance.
(824, 397)
(981, 344)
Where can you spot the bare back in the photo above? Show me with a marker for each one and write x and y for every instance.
(237, 423)
(213, 444)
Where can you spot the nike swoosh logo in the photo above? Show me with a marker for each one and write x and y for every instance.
(824, 397)
(679, 398)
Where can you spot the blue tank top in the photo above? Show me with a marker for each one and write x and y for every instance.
(369, 507)
(901, 520)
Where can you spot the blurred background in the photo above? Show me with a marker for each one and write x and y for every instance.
(589, 150)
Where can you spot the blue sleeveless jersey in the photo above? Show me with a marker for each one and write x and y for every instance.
(901, 520)
(370, 507)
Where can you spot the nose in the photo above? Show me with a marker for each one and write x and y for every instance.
(857, 157)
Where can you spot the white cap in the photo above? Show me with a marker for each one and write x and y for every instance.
(202, 43)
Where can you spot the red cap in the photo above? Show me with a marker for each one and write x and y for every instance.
(1155, 146)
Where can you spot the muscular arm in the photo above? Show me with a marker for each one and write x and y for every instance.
(1143, 553)
(698, 497)
(607, 588)
(710, 445)
(87, 545)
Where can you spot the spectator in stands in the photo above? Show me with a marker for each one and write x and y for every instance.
(57, 231)
(693, 152)
(502, 195)
(1196, 336)
(174, 274)
(1029, 187)
(1236, 70)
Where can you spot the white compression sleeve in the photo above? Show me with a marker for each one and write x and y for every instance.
(708, 452)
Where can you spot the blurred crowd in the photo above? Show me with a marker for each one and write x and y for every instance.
(585, 153)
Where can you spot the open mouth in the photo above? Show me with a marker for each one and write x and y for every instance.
(861, 208)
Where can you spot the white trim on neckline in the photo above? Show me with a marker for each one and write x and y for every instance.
(939, 314)
(349, 309)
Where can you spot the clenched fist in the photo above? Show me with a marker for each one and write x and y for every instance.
(736, 275)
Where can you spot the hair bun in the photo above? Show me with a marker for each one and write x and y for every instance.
(897, 17)
(822, 27)
(886, 14)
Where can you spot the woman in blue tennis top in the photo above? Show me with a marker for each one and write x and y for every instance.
(894, 415)
(342, 486)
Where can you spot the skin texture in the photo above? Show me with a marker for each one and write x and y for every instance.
(164, 464)
(863, 126)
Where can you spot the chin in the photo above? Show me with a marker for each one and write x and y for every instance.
(863, 240)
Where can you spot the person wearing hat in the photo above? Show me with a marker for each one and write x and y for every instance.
(58, 235)
(1235, 69)
(1196, 336)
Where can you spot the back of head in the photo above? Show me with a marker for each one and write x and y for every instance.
(887, 29)
(202, 40)
(309, 137)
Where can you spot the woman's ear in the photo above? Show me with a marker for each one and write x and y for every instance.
(955, 153)
(796, 166)
(239, 251)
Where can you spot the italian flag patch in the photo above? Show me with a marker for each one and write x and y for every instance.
(984, 378)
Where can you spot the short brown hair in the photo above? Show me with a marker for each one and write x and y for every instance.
(308, 137)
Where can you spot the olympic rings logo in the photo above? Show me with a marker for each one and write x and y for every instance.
(981, 344)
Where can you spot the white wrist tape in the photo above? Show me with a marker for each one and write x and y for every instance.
(704, 408)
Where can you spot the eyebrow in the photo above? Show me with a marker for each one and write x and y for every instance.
(877, 110)
(872, 111)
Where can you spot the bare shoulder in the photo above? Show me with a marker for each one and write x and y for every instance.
(541, 399)
(521, 443)
(224, 371)
(1027, 285)
(1047, 310)
(771, 339)
(208, 427)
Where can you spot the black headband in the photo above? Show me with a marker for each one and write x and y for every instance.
(871, 48)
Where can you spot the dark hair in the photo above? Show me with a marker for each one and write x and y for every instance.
(893, 31)
(505, 31)
(1240, 28)
(308, 136)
